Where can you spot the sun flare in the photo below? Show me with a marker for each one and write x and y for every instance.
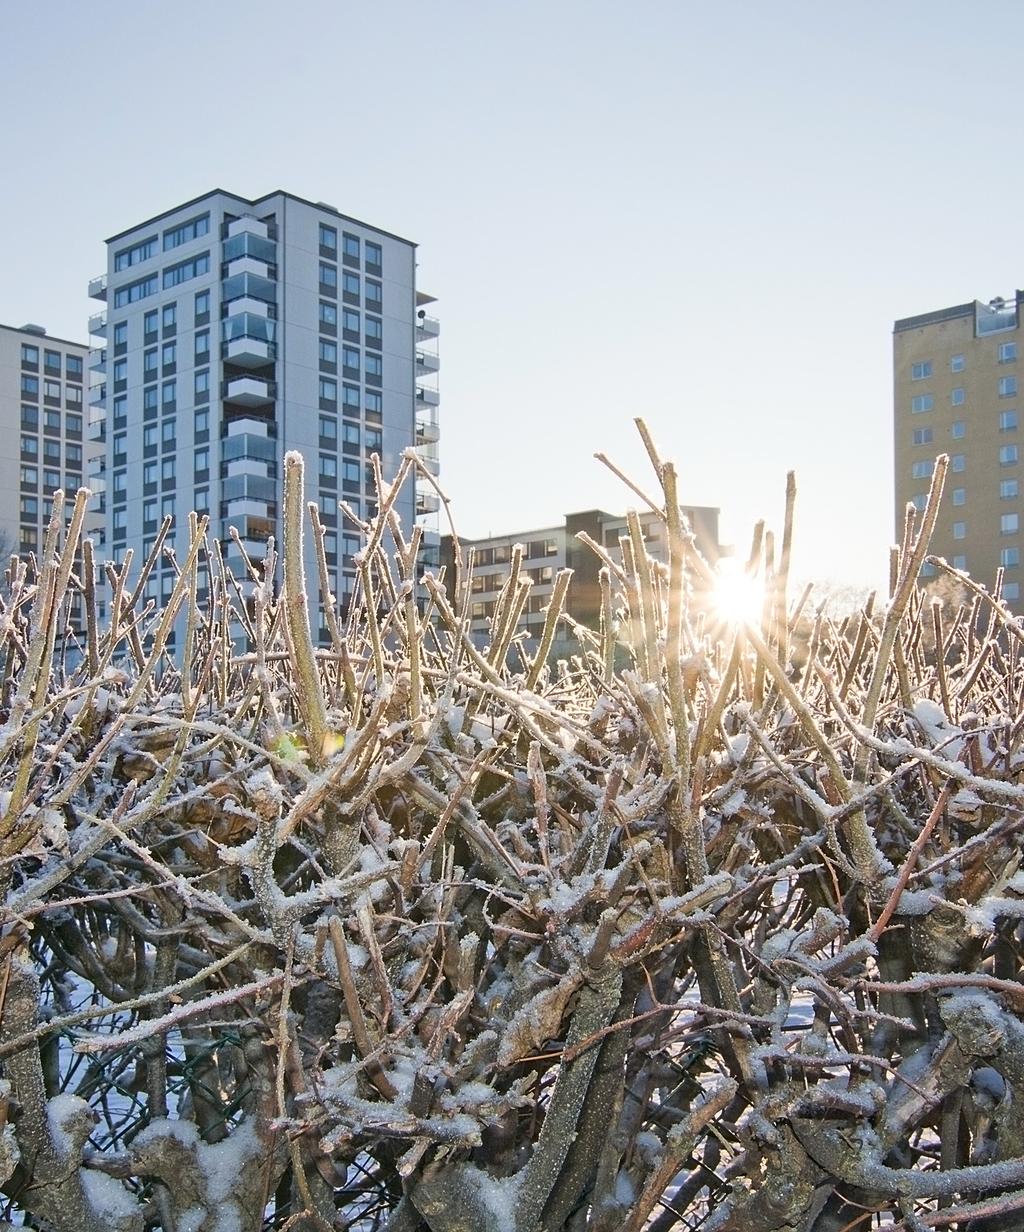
(737, 597)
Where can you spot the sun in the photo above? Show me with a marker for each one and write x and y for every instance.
(736, 597)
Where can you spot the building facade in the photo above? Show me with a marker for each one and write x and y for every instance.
(42, 401)
(956, 391)
(235, 331)
(548, 550)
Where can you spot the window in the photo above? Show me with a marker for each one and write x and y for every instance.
(328, 314)
(169, 393)
(202, 423)
(957, 463)
(121, 334)
(328, 390)
(73, 366)
(1009, 489)
(187, 232)
(374, 366)
(921, 371)
(120, 521)
(148, 437)
(120, 372)
(29, 475)
(29, 447)
(30, 418)
(184, 271)
(1007, 387)
(1007, 455)
(328, 241)
(1009, 558)
(30, 386)
(374, 402)
(958, 397)
(350, 360)
(149, 514)
(1007, 352)
(132, 256)
(149, 473)
(350, 324)
(1007, 421)
(202, 461)
(51, 389)
(202, 500)
(202, 349)
(328, 276)
(374, 440)
(120, 485)
(149, 365)
(959, 496)
(374, 331)
(149, 400)
(958, 430)
(328, 352)
(959, 562)
(29, 355)
(328, 469)
(1009, 524)
(51, 422)
(51, 480)
(373, 255)
(922, 402)
(328, 428)
(959, 530)
(1011, 591)
(350, 399)
(350, 472)
(202, 308)
(167, 470)
(374, 295)
(956, 363)
(350, 434)
(73, 395)
(168, 432)
(149, 323)
(132, 292)
(350, 286)
(170, 355)
(169, 318)
(202, 383)
(30, 506)
(350, 245)
(51, 363)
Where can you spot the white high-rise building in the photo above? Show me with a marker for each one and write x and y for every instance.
(236, 331)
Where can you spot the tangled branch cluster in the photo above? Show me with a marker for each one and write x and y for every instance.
(711, 927)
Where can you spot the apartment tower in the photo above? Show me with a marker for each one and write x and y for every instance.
(235, 331)
(956, 392)
(42, 391)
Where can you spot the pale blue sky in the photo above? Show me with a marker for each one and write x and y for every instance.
(708, 214)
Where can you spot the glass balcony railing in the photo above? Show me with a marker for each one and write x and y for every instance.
(245, 445)
(248, 325)
(249, 284)
(248, 245)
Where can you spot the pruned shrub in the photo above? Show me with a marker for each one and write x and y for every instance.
(406, 934)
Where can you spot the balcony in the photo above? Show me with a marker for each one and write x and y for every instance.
(249, 390)
(98, 287)
(426, 363)
(428, 431)
(427, 502)
(98, 395)
(254, 425)
(98, 324)
(98, 427)
(247, 226)
(251, 286)
(245, 445)
(254, 266)
(427, 327)
(427, 397)
(98, 359)
(252, 529)
(248, 488)
(248, 352)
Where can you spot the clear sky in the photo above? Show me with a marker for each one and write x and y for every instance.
(705, 214)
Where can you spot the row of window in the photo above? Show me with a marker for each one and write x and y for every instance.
(174, 237)
(958, 397)
(350, 287)
(483, 582)
(172, 276)
(51, 479)
(53, 422)
(1009, 455)
(73, 394)
(73, 366)
(1009, 558)
(349, 248)
(1008, 422)
(52, 452)
(1006, 353)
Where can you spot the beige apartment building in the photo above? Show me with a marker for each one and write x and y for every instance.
(956, 382)
(552, 548)
(43, 446)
